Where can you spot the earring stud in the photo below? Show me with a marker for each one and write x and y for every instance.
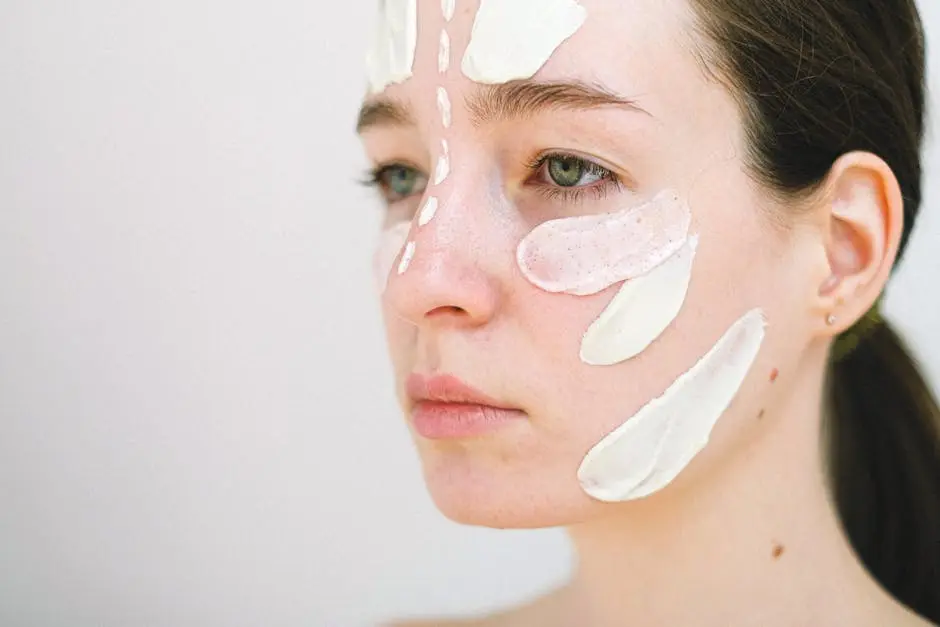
(831, 319)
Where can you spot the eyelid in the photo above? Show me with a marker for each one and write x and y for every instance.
(387, 164)
(593, 161)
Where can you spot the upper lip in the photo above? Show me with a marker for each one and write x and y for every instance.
(447, 389)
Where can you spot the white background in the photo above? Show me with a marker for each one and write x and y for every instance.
(196, 422)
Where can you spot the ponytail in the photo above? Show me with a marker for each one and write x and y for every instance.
(815, 80)
(883, 430)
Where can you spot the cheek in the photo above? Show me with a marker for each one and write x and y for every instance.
(389, 247)
(401, 337)
(746, 260)
(624, 276)
(588, 254)
(649, 367)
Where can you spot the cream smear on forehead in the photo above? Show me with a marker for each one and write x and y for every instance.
(640, 312)
(447, 8)
(587, 254)
(391, 58)
(512, 39)
(389, 247)
(650, 449)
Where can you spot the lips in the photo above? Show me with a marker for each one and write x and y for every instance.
(445, 407)
(447, 389)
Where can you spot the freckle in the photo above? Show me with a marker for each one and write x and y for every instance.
(761, 414)
(774, 374)
(778, 551)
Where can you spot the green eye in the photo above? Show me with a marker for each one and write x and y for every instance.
(566, 171)
(399, 181)
(566, 177)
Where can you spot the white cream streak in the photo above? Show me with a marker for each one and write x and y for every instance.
(512, 39)
(443, 164)
(443, 105)
(391, 58)
(427, 211)
(406, 257)
(447, 8)
(443, 53)
(389, 247)
(588, 254)
(650, 449)
(640, 312)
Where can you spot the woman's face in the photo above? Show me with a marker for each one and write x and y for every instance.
(497, 283)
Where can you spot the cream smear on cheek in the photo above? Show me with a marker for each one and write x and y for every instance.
(651, 448)
(588, 254)
(512, 39)
(391, 58)
(641, 311)
(391, 241)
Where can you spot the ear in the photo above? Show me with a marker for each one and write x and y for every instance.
(865, 215)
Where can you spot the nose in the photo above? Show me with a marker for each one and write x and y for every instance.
(454, 272)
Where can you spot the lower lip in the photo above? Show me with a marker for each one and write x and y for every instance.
(439, 421)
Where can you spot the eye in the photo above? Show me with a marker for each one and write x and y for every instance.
(397, 181)
(568, 178)
(569, 171)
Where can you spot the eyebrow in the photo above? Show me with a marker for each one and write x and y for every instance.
(383, 112)
(514, 100)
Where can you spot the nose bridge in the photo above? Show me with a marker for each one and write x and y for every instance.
(457, 215)
(454, 264)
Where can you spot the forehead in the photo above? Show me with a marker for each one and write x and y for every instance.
(638, 49)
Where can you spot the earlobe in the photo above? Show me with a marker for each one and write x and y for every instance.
(865, 220)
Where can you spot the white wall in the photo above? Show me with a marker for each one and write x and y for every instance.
(196, 423)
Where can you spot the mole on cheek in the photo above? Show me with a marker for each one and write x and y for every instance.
(778, 551)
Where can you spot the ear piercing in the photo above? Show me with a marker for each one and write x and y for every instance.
(831, 319)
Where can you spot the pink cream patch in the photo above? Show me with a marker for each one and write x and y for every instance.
(587, 254)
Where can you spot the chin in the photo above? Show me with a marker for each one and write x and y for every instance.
(470, 492)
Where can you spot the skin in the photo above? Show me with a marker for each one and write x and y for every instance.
(746, 535)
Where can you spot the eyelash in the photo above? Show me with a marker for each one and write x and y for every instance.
(607, 180)
(373, 177)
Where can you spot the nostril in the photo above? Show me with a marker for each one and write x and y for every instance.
(446, 310)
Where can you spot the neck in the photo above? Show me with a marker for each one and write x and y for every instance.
(755, 542)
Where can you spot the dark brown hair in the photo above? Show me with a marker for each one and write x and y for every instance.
(816, 79)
